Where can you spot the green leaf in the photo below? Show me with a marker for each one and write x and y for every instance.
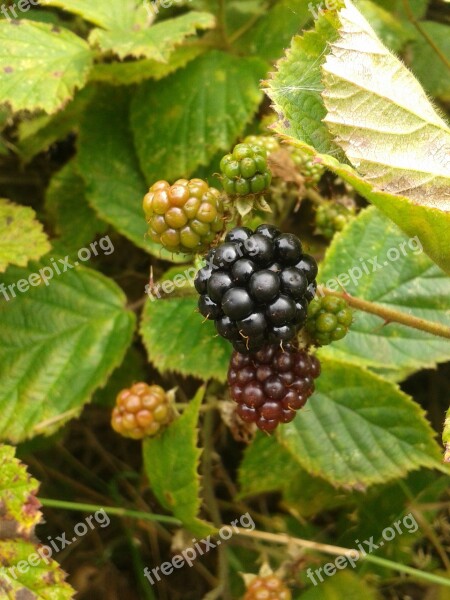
(58, 343)
(177, 339)
(375, 261)
(398, 145)
(107, 162)
(196, 111)
(45, 581)
(435, 80)
(171, 462)
(21, 236)
(418, 7)
(267, 467)
(23, 572)
(342, 586)
(358, 430)
(272, 33)
(40, 65)
(39, 133)
(18, 503)
(105, 13)
(75, 223)
(156, 42)
(127, 73)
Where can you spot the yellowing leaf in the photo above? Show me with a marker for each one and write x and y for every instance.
(21, 236)
(41, 65)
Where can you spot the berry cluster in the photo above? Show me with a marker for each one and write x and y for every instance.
(267, 142)
(312, 171)
(329, 319)
(332, 217)
(141, 411)
(267, 588)
(185, 216)
(245, 170)
(256, 286)
(270, 385)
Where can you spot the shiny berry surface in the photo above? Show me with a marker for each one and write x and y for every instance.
(141, 411)
(256, 285)
(184, 217)
(269, 386)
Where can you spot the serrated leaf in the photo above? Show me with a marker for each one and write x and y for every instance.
(297, 93)
(196, 112)
(127, 73)
(394, 141)
(18, 504)
(45, 581)
(342, 586)
(41, 65)
(362, 258)
(171, 461)
(107, 162)
(75, 222)
(58, 343)
(105, 13)
(21, 235)
(24, 573)
(156, 42)
(358, 430)
(178, 339)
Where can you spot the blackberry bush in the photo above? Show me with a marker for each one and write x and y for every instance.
(272, 384)
(311, 170)
(245, 170)
(141, 411)
(256, 287)
(329, 319)
(185, 216)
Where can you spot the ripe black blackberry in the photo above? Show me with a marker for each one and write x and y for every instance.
(272, 384)
(256, 286)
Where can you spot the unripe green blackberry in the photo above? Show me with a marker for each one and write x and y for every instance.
(311, 171)
(329, 319)
(184, 217)
(267, 142)
(245, 170)
(270, 587)
(332, 217)
(141, 411)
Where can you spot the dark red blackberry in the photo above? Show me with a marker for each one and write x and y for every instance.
(270, 385)
(256, 286)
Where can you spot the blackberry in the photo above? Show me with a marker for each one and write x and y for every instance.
(245, 170)
(256, 287)
(329, 319)
(184, 217)
(267, 142)
(269, 587)
(311, 171)
(141, 411)
(272, 384)
(331, 218)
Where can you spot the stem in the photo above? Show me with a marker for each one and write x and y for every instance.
(282, 538)
(110, 510)
(391, 315)
(422, 32)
